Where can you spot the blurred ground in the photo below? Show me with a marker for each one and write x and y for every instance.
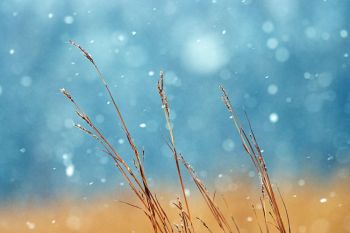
(313, 208)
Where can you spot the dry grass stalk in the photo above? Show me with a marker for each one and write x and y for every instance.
(215, 210)
(204, 224)
(138, 181)
(166, 109)
(252, 148)
(185, 226)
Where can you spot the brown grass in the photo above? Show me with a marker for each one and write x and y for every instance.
(269, 206)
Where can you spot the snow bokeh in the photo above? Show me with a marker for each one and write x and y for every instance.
(284, 62)
(204, 54)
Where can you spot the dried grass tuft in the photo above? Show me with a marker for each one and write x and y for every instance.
(136, 177)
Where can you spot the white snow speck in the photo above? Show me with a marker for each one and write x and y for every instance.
(68, 19)
(70, 170)
(22, 150)
(121, 38)
(103, 180)
(133, 33)
(150, 73)
(223, 32)
(204, 54)
(272, 43)
(228, 145)
(307, 75)
(273, 117)
(282, 54)
(143, 125)
(121, 141)
(26, 81)
(272, 89)
(0, 90)
(30, 225)
(301, 182)
(11, 51)
(268, 27)
(187, 192)
(323, 200)
(343, 33)
(50, 15)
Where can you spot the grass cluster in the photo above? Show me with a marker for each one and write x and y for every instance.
(272, 203)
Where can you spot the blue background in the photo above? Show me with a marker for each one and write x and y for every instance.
(285, 62)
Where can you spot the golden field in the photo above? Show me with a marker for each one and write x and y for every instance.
(313, 208)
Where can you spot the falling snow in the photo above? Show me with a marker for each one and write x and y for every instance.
(288, 68)
(272, 89)
(268, 27)
(273, 117)
(26, 81)
(272, 43)
(30, 225)
(70, 170)
(68, 19)
(67, 161)
(343, 34)
(282, 54)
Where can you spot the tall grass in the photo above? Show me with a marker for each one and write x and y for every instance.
(136, 177)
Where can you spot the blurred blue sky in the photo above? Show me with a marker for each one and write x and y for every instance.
(285, 62)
